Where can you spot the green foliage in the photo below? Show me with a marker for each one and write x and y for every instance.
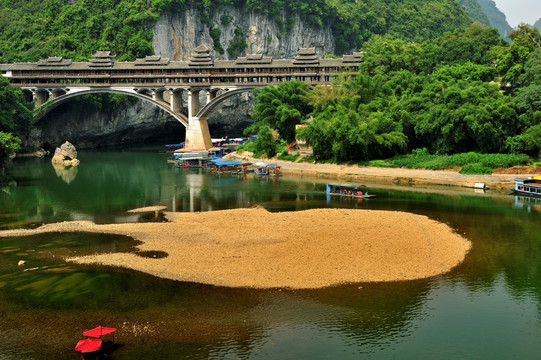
(15, 119)
(33, 30)
(511, 63)
(470, 163)
(281, 107)
(238, 44)
(265, 143)
(9, 144)
(215, 35)
(475, 169)
(286, 156)
(225, 20)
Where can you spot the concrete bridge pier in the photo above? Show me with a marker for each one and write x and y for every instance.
(211, 94)
(197, 132)
(158, 95)
(175, 98)
(40, 96)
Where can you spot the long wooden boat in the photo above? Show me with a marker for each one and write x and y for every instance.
(261, 168)
(348, 190)
(530, 187)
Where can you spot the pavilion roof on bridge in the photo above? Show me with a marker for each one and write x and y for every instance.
(254, 59)
(152, 60)
(201, 57)
(355, 58)
(102, 59)
(306, 56)
(54, 61)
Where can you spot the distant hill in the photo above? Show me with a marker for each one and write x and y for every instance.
(538, 24)
(496, 17)
(476, 12)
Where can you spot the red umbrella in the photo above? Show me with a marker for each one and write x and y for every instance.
(88, 345)
(99, 331)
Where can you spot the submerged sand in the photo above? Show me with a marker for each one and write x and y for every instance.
(303, 249)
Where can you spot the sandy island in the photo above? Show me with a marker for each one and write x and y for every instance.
(298, 250)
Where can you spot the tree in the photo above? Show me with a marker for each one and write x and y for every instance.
(15, 118)
(281, 107)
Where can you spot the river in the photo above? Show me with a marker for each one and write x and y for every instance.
(486, 308)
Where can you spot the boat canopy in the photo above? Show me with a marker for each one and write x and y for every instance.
(99, 331)
(273, 165)
(224, 163)
(260, 164)
(349, 186)
(88, 345)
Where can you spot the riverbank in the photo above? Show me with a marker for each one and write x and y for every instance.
(500, 181)
(299, 250)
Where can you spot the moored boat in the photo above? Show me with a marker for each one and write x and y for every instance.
(261, 168)
(94, 347)
(530, 187)
(349, 190)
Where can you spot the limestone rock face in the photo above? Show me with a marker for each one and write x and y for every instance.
(65, 155)
(176, 36)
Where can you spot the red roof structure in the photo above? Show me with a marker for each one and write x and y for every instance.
(88, 345)
(99, 331)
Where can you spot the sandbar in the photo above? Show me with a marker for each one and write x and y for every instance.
(309, 249)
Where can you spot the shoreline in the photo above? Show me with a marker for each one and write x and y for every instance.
(386, 175)
(254, 248)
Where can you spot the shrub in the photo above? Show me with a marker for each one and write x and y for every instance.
(476, 169)
(288, 157)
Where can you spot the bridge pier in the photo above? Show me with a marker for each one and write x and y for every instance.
(175, 97)
(41, 97)
(158, 95)
(197, 132)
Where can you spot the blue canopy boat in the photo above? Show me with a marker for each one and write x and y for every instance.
(349, 190)
(531, 186)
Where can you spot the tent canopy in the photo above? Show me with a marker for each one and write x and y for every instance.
(88, 345)
(99, 331)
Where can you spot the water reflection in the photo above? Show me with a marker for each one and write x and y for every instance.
(66, 173)
(528, 203)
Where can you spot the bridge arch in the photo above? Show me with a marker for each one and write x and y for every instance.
(209, 106)
(54, 102)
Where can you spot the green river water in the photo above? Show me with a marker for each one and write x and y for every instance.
(486, 308)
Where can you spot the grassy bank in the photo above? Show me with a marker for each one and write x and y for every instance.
(468, 163)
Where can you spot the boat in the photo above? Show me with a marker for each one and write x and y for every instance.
(221, 165)
(261, 168)
(93, 347)
(348, 190)
(530, 186)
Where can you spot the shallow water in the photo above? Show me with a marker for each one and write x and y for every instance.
(486, 308)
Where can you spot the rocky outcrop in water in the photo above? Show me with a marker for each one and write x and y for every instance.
(65, 155)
